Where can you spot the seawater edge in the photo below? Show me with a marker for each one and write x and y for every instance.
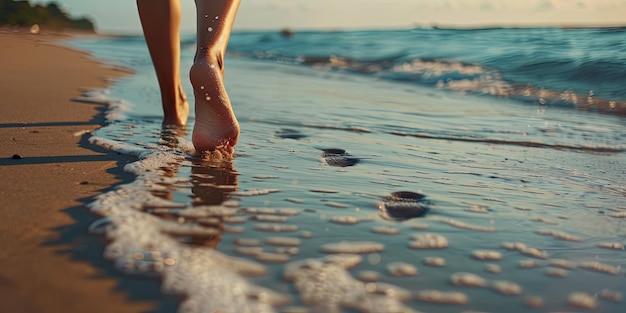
(453, 175)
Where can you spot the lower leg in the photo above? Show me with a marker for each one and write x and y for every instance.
(216, 127)
(160, 20)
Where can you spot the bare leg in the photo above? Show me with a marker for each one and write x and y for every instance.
(216, 126)
(160, 20)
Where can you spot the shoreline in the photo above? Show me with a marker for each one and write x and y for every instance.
(49, 262)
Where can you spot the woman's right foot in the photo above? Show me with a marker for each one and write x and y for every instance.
(216, 127)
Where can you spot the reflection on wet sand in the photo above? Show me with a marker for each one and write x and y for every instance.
(212, 183)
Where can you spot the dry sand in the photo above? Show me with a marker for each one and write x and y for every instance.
(48, 261)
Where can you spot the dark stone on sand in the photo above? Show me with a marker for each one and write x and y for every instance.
(402, 205)
(338, 157)
(16, 157)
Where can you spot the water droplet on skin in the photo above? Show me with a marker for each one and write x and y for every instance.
(201, 87)
(217, 17)
(212, 66)
(210, 29)
(206, 16)
(208, 98)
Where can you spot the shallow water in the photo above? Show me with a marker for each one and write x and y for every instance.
(493, 171)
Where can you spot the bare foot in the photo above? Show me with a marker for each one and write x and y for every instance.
(216, 127)
(177, 114)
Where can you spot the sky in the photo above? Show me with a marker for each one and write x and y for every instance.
(120, 16)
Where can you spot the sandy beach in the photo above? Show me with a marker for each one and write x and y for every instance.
(48, 261)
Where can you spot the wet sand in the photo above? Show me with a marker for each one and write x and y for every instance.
(48, 261)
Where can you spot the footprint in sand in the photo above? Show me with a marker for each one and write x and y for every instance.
(338, 157)
(402, 205)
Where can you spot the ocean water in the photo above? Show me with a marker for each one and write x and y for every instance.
(430, 170)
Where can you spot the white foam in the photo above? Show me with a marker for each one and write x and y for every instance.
(428, 241)
(559, 235)
(529, 264)
(564, 264)
(276, 228)
(493, 268)
(467, 280)
(610, 295)
(271, 211)
(141, 243)
(385, 230)
(435, 261)
(442, 297)
(353, 247)
(401, 269)
(327, 285)
(506, 287)
(514, 246)
(581, 300)
(487, 255)
(600, 267)
(282, 241)
(533, 301)
(342, 219)
(466, 226)
(611, 245)
(535, 253)
(368, 276)
(557, 272)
